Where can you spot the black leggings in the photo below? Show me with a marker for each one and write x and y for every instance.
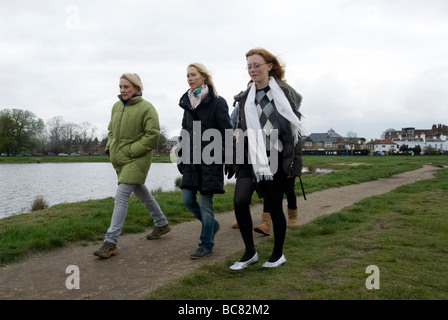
(290, 193)
(273, 193)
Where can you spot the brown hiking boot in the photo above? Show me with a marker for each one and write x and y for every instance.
(158, 231)
(292, 218)
(107, 249)
(265, 226)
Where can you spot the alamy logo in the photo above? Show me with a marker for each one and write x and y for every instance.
(373, 281)
(207, 146)
(72, 281)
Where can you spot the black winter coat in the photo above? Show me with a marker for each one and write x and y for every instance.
(213, 113)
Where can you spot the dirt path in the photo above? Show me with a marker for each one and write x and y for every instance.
(143, 265)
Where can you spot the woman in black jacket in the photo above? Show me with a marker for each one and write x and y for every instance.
(269, 107)
(205, 113)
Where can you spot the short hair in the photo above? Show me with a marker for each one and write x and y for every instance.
(278, 69)
(135, 80)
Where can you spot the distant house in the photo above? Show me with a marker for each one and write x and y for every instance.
(331, 141)
(437, 144)
(411, 143)
(433, 139)
(429, 140)
(170, 143)
(322, 141)
(384, 145)
(409, 132)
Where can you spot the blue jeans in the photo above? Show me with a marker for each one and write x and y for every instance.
(203, 211)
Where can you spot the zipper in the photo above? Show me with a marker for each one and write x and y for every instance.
(119, 130)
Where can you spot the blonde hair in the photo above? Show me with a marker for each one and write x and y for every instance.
(135, 80)
(205, 73)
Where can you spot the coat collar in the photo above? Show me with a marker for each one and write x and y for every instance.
(132, 101)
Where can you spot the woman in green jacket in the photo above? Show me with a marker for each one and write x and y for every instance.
(133, 135)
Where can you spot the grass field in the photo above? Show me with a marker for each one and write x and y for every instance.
(404, 233)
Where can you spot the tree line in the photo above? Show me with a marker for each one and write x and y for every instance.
(23, 133)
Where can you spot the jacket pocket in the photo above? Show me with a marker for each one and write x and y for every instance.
(123, 156)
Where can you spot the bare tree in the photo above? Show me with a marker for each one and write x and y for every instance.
(54, 130)
(70, 134)
(87, 136)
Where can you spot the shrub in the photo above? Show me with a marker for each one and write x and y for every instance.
(39, 204)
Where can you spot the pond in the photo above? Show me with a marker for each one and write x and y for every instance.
(68, 182)
(59, 183)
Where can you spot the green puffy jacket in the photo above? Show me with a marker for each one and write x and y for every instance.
(133, 134)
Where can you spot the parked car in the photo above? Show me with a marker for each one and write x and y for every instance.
(62, 154)
(379, 153)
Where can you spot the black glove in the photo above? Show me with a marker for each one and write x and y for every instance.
(228, 170)
(181, 167)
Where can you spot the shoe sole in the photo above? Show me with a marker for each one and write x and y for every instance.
(261, 231)
(273, 267)
(160, 234)
(103, 256)
(239, 269)
(204, 256)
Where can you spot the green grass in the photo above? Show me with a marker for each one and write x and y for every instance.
(87, 221)
(403, 232)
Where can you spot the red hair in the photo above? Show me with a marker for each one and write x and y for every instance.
(278, 69)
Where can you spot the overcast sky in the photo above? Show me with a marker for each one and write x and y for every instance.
(361, 66)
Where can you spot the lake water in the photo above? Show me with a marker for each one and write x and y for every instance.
(59, 183)
(68, 182)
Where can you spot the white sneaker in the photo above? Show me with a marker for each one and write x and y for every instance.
(275, 264)
(242, 265)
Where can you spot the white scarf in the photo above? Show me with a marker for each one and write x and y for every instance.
(257, 147)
